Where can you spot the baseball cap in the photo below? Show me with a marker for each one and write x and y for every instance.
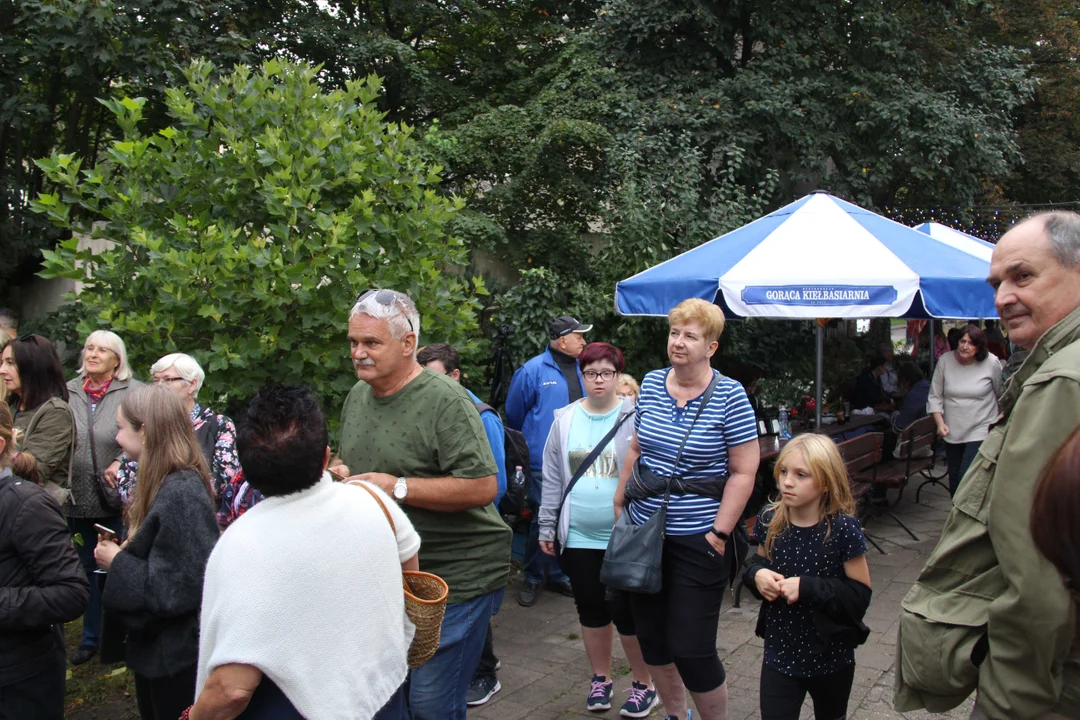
(565, 325)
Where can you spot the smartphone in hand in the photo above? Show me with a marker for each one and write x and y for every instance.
(107, 532)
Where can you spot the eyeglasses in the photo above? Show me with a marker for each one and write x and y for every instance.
(602, 374)
(170, 380)
(384, 297)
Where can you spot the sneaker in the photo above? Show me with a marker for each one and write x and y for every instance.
(481, 689)
(527, 596)
(83, 654)
(641, 701)
(599, 694)
(563, 588)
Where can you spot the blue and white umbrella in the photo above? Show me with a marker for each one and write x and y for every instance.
(819, 257)
(957, 239)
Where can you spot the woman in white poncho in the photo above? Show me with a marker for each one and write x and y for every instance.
(303, 614)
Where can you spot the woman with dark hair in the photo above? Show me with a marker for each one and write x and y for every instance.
(37, 398)
(1055, 513)
(313, 549)
(156, 577)
(581, 518)
(963, 400)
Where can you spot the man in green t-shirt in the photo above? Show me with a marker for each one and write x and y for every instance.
(417, 435)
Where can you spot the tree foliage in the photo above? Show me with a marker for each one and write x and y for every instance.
(242, 232)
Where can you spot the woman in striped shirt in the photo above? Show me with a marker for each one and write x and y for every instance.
(677, 627)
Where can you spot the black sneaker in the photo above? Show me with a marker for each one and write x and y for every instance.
(527, 596)
(599, 694)
(641, 702)
(563, 588)
(481, 689)
(83, 655)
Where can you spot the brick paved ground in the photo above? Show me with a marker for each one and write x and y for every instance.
(545, 673)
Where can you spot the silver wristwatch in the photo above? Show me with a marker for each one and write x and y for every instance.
(401, 490)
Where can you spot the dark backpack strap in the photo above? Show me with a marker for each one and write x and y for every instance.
(591, 457)
(483, 407)
(705, 398)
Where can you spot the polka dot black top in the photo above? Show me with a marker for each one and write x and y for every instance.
(789, 629)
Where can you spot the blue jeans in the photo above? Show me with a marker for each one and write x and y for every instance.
(437, 689)
(91, 632)
(538, 564)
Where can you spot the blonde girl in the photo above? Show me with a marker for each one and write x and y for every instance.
(156, 577)
(812, 574)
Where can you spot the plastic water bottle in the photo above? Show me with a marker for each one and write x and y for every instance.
(785, 426)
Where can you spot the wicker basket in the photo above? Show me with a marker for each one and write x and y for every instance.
(425, 604)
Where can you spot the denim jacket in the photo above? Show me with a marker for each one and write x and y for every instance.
(986, 579)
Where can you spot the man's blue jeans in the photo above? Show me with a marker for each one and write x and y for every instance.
(538, 564)
(437, 689)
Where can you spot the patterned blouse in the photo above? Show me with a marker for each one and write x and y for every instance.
(236, 499)
(225, 465)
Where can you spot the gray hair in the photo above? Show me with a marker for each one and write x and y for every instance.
(186, 366)
(1063, 227)
(110, 341)
(9, 320)
(399, 313)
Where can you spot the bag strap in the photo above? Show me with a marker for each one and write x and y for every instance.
(590, 459)
(705, 398)
(90, 433)
(382, 505)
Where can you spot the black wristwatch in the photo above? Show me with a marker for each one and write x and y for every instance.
(720, 534)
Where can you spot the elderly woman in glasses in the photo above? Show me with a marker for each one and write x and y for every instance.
(216, 434)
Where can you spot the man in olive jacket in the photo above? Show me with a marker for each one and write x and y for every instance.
(989, 612)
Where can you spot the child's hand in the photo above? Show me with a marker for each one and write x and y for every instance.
(789, 589)
(768, 583)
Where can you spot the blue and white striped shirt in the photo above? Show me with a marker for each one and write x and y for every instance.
(661, 424)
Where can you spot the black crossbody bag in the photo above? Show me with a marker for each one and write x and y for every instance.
(583, 468)
(632, 561)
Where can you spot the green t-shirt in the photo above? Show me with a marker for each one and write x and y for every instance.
(430, 428)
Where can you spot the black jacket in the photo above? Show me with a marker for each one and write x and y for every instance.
(42, 583)
(839, 605)
(155, 584)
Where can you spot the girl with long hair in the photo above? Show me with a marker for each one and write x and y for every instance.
(811, 571)
(156, 576)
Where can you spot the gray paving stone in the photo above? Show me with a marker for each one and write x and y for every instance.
(545, 674)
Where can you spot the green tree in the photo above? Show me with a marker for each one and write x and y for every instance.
(57, 56)
(243, 231)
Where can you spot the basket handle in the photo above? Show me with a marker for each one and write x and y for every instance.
(382, 505)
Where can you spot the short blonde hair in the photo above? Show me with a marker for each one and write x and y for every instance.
(110, 341)
(706, 314)
(628, 379)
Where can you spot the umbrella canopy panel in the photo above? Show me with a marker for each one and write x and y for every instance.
(818, 257)
(957, 239)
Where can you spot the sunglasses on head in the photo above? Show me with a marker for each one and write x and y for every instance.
(384, 297)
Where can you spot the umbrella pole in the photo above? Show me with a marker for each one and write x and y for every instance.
(820, 342)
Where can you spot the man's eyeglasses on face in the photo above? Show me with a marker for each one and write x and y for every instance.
(384, 297)
(169, 380)
(603, 374)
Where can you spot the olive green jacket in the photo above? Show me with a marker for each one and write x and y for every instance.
(985, 577)
(49, 435)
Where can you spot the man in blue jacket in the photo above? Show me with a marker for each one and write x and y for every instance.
(541, 386)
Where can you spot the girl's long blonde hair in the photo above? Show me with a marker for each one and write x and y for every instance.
(830, 477)
(168, 446)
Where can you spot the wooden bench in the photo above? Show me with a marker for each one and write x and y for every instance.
(914, 453)
(862, 455)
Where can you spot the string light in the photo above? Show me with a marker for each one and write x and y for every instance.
(988, 222)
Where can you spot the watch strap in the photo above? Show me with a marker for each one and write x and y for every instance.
(720, 534)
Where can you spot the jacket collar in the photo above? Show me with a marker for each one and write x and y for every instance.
(77, 385)
(1060, 336)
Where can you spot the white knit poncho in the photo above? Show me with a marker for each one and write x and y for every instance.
(307, 588)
